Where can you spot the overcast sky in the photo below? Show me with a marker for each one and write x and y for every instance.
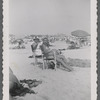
(48, 16)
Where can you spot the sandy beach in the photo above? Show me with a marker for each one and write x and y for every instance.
(56, 85)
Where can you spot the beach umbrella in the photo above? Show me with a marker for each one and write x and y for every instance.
(80, 33)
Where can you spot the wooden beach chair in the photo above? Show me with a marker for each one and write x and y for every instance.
(34, 55)
(46, 59)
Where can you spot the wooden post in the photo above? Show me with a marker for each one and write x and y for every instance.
(35, 60)
(43, 61)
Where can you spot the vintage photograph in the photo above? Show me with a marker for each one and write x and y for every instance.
(50, 49)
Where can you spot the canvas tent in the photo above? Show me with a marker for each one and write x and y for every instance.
(81, 36)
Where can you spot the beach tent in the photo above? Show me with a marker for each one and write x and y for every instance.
(81, 36)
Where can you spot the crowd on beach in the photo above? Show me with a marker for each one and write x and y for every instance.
(16, 88)
(39, 47)
(75, 42)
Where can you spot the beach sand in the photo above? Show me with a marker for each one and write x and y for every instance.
(56, 85)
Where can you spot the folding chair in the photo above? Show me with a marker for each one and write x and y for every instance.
(34, 55)
(47, 59)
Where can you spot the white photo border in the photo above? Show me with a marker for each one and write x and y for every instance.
(93, 49)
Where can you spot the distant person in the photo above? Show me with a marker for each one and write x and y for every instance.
(50, 53)
(20, 44)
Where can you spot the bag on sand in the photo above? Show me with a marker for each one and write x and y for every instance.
(51, 65)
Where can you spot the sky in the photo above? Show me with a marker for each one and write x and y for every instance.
(48, 16)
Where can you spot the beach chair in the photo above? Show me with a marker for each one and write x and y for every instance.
(34, 55)
(46, 59)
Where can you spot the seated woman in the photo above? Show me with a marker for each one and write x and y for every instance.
(50, 53)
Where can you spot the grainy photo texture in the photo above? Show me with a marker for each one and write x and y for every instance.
(49, 46)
